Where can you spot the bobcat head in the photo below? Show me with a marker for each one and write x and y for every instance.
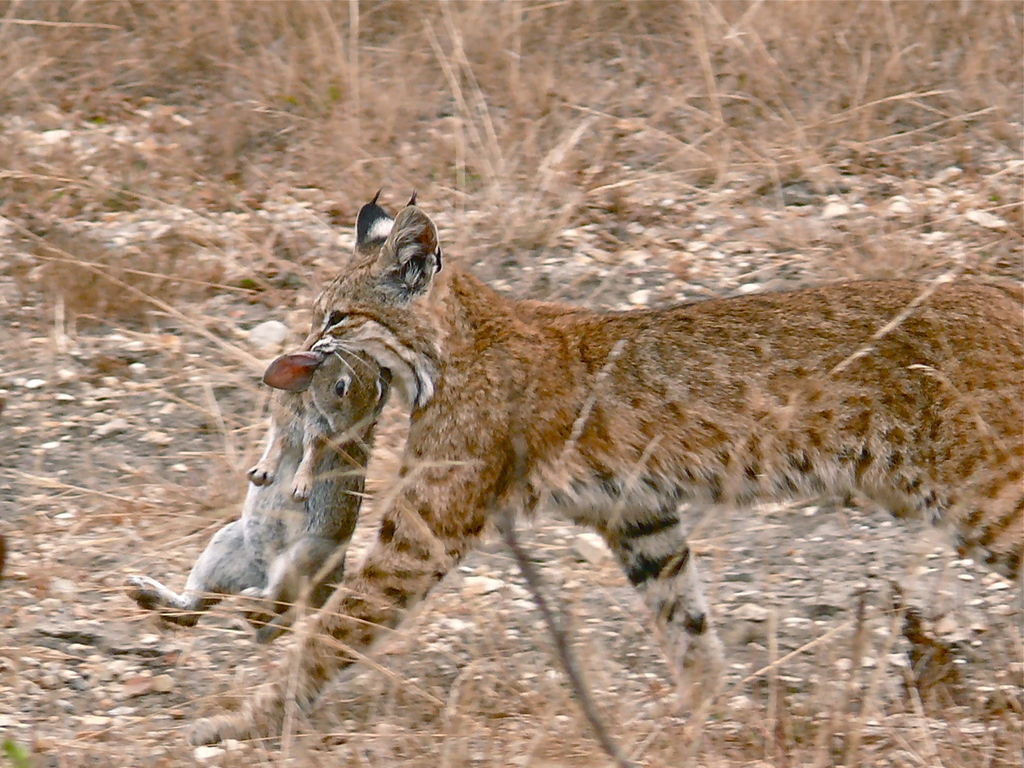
(382, 303)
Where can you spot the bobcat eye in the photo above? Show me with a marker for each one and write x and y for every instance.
(341, 387)
(333, 319)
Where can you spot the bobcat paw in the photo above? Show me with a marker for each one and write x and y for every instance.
(260, 475)
(700, 674)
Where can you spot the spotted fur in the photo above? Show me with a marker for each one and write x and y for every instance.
(907, 393)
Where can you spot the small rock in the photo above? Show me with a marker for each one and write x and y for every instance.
(590, 548)
(899, 206)
(480, 585)
(640, 297)
(947, 174)
(205, 754)
(163, 683)
(835, 210)
(35, 383)
(137, 686)
(49, 681)
(55, 136)
(64, 589)
(981, 218)
(741, 703)
(137, 370)
(751, 612)
(268, 336)
(112, 427)
(155, 437)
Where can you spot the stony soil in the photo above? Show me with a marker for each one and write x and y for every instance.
(129, 411)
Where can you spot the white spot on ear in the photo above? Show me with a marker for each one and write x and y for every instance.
(380, 229)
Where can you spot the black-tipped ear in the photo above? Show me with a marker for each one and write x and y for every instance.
(294, 372)
(373, 224)
(414, 251)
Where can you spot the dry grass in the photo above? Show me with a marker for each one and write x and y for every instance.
(168, 176)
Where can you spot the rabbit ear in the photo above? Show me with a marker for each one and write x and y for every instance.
(293, 372)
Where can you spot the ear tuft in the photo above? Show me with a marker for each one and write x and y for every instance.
(412, 200)
(373, 224)
(293, 372)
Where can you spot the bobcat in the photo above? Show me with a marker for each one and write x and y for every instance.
(905, 392)
(293, 530)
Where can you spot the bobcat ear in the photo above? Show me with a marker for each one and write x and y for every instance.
(293, 372)
(412, 253)
(373, 224)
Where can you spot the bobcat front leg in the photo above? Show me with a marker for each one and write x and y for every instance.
(660, 565)
(418, 542)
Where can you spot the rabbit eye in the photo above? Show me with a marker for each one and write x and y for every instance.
(341, 387)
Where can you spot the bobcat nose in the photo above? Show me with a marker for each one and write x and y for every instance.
(293, 372)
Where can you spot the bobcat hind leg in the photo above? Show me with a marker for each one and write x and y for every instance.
(661, 567)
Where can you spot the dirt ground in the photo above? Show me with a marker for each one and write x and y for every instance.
(175, 175)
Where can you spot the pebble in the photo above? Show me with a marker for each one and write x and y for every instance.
(751, 612)
(163, 683)
(835, 210)
(268, 336)
(480, 585)
(205, 754)
(985, 219)
(112, 427)
(137, 686)
(640, 297)
(899, 206)
(64, 589)
(155, 437)
(590, 547)
(35, 383)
